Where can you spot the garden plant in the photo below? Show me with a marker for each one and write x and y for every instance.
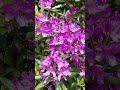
(60, 43)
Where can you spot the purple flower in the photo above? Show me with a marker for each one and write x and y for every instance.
(96, 73)
(46, 3)
(40, 18)
(106, 53)
(82, 73)
(74, 57)
(74, 27)
(50, 87)
(90, 56)
(54, 67)
(66, 38)
(25, 82)
(71, 11)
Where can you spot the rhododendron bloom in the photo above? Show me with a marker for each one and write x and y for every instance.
(65, 38)
(46, 3)
(54, 66)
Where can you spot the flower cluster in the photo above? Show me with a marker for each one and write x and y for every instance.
(46, 3)
(71, 12)
(66, 38)
(65, 35)
(54, 66)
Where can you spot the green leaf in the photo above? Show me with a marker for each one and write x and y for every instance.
(8, 1)
(63, 86)
(29, 34)
(117, 2)
(37, 77)
(113, 80)
(81, 82)
(61, 0)
(7, 71)
(58, 6)
(16, 73)
(9, 56)
(7, 83)
(37, 66)
(39, 86)
(37, 60)
(77, 0)
(2, 88)
(3, 31)
(18, 43)
(58, 87)
(112, 68)
(75, 71)
(2, 22)
(36, 10)
(42, 9)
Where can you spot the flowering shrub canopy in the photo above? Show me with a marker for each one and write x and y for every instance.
(63, 38)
